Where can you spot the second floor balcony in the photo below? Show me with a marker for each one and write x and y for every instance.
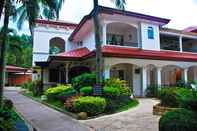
(180, 43)
(121, 34)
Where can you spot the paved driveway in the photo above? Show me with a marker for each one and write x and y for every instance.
(136, 119)
(42, 117)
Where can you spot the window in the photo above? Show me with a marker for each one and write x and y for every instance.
(150, 33)
(115, 39)
(57, 45)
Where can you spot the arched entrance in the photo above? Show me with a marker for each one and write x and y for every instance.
(171, 75)
(131, 74)
(76, 71)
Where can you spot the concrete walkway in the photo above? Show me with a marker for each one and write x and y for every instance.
(42, 117)
(136, 119)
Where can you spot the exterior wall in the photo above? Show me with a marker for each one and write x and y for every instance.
(89, 40)
(150, 44)
(42, 36)
(17, 79)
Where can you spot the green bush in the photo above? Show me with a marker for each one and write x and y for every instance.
(84, 80)
(7, 116)
(179, 120)
(168, 97)
(120, 84)
(152, 91)
(37, 89)
(86, 91)
(53, 93)
(187, 98)
(91, 105)
(28, 85)
(34, 86)
(111, 92)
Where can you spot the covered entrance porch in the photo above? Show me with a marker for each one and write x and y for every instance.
(142, 73)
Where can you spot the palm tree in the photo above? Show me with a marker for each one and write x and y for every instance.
(30, 13)
(99, 73)
(8, 8)
(30, 10)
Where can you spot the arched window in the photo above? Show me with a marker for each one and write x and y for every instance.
(150, 33)
(57, 45)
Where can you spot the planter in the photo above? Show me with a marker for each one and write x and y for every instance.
(161, 110)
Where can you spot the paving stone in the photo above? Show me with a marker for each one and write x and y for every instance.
(42, 117)
(136, 119)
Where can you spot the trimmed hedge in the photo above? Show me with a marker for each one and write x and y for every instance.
(111, 92)
(179, 120)
(57, 92)
(168, 97)
(84, 80)
(91, 105)
(86, 91)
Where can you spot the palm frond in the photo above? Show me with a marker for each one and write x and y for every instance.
(120, 4)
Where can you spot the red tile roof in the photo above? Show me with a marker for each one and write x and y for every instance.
(15, 69)
(80, 52)
(124, 52)
(191, 29)
(114, 51)
(58, 23)
(112, 11)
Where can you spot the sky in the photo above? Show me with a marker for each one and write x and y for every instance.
(183, 13)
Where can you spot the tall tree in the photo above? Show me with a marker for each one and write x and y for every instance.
(31, 11)
(8, 8)
(99, 71)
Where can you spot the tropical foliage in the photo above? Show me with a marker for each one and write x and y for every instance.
(19, 50)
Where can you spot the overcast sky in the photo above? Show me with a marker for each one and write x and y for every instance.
(183, 13)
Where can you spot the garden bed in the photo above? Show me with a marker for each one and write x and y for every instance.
(80, 100)
(56, 105)
(161, 110)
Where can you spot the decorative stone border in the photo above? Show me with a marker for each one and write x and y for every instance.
(161, 110)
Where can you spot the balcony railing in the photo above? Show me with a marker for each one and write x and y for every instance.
(128, 44)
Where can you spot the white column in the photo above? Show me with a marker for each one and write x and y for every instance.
(159, 76)
(107, 72)
(104, 29)
(66, 72)
(144, 80)
(185, 75)
(181, 43)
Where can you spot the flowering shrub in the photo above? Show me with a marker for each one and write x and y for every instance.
(120, 84)
(68, 104)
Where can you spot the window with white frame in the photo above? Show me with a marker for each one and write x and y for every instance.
(150, 32)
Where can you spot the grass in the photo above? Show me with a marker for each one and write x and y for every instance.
(131, 104)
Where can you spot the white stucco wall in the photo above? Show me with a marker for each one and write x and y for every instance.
(89, 40)
(150, 44)
(42, 37)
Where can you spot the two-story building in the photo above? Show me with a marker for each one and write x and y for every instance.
(135, 48)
